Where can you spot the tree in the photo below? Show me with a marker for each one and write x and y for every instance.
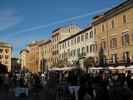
(43, 65)
(60, 64)
(89, 62)
(102, 58)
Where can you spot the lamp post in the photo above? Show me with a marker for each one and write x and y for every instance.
(18, 65)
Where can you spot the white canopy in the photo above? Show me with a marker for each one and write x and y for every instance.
(120, 67)
(111, 68)
(130, 67)
(96, 68)
(62, 69)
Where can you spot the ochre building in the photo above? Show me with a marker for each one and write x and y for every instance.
(45, 55)
(5, 55)
(114, 33)
(33, 57)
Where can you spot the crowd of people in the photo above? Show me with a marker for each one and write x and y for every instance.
(98, 86)
(9, 82)
(106, 86)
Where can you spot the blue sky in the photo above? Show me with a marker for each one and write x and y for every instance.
(22, 21)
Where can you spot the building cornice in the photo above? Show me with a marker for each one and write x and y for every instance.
(44, 42)
(33, 44)
(23, 51)
(113, 12)
(80, 32)
(55, 34)
(3, 44)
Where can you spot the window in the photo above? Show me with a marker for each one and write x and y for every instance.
(114, 58)
(1, 50)
(57, 38)
(78, 51)
(75, 40)
(62, 56)
(91, 34)
(6, 62)
(113, 43)
(60, 47)
(126, 56)
(83, 51)
(125, 39)
(86, 36)
(104, 44)
(68, 52)
(95, 47)
(69, 30)
(112, 24)
(95, 31)
(68, 43)
(103, 29)
(1, 56)
(87, 49)
(65, 44)
(92, 48)
(124, 19)
(71, 42)
(71, 53)
(82, 37)
(78, 39)
(74, 52)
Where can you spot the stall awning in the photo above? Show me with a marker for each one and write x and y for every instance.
(62, 69)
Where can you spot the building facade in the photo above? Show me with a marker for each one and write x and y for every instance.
(15, 65)
(24, 58)
(81, 44)
(5, 55)
(68, 31)
(114, 33)
(59, 35)
(33, 57)
(55, 51)
(45, 55)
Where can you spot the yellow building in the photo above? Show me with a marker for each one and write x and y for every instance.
(45, 55)
(33, 57)
(114, 32)
(5, 55)
(24, 58)
(55, 51)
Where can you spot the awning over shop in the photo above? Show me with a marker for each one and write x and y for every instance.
(62, 69)
(130, 67)
(120, 67)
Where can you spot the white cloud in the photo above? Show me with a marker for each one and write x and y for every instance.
(8, 18)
